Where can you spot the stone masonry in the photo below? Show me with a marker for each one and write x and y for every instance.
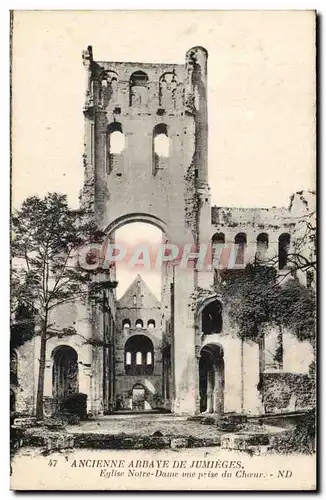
(162, 354)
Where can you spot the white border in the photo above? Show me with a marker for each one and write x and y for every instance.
(319, 6)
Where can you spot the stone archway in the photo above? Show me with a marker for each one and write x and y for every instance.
(138, 397)
(65, 371)
(211, 379)
(129, 218)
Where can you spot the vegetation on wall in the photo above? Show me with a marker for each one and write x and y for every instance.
(256, 298)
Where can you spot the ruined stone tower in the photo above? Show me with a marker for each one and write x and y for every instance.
(146, 161)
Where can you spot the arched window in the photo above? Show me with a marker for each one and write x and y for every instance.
(151, 323)
(115, 144)
(128, 358)
(134, 299)
(211, 317)
(161, 147)
(262, 246)
(126, 324)
(138, 88)
(141, 351)
(161, 140)
(139, 357)
(241, 241)
(109, 87)
(116, 138)
(283, 250)
(167, 91)
(139, 323)
(218, 239)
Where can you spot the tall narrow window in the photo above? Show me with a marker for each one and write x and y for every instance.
(128, 358)
(134, 300)
(161, 140)
(138, 88)
(161, 146)
(218, 240)
(116, 138)
(241, 241)
(283, 250)
(109, 86)
(126, 324)
(167, 91)
(149, 358)
(115, 145)
(139, 358)
(262, 247)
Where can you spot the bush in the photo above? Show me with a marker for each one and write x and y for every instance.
(55, 422)
(301, 439)
(75, 404)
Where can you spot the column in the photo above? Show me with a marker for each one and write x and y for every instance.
(185, 363)
(210, 391)
(197, 355)
(217, 390)
(252, 403)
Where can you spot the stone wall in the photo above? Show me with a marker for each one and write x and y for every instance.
(138, 303)
(253, 222)
(125, 382)
(25, 391)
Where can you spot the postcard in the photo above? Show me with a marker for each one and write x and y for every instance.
(163, 283)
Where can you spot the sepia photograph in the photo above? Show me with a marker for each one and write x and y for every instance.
(163, 250)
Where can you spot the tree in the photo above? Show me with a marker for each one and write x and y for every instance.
(46, 275)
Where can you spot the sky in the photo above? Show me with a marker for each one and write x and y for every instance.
(261, 95)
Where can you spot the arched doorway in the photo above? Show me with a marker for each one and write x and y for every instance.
(138, 397)
(211, 379)
(65, 371)
(211, 317)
